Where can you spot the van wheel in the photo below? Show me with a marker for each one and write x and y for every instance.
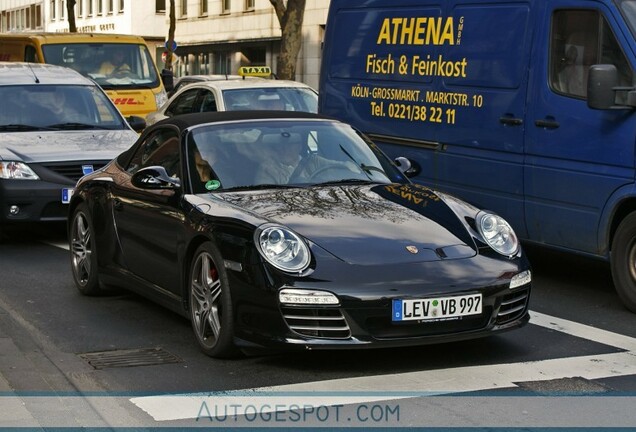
(623, 261)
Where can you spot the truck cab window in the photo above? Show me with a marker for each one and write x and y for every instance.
(580, 39)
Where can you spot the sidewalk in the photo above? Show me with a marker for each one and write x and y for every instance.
(39, 384)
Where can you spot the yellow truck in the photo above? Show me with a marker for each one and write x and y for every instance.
(120, 64)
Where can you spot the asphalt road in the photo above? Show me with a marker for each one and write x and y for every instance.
(581, 342)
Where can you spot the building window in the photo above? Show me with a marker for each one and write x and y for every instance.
(100, 7)
(249, 5)
(38, 16)
(53, 10)
(226, 6)
(91, 8)
(62, 11)
(121, 5)
(80, 7)
(203, 7)
(160, 6)
(184, 8)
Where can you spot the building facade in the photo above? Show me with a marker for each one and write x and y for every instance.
(212, 36)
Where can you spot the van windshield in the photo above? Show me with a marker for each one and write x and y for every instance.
(112, 66)
(628, 8)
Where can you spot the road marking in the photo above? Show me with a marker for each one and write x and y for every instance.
(411, 384)
(61, 245)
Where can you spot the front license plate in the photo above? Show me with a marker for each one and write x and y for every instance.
(436, 308)
(66, 195)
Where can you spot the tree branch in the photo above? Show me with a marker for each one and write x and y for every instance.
(281, 10)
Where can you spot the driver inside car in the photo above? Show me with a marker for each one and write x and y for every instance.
(287, 162)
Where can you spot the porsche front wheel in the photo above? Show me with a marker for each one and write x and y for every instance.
(211, 303)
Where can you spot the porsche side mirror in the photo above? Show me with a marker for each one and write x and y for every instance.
(154, 177)
(408, 167)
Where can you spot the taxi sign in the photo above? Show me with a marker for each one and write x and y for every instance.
(255, 71)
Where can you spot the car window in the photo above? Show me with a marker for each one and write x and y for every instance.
(208, 101)
(282, 98)
(58, 106)
(183, 104)
(160, 148)
(265, 153)
(575, 47)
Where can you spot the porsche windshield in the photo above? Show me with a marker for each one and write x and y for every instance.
(112, 66)
(283, 153)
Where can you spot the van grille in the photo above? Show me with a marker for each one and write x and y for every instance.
(513, 306)
(72, 170)
(317, 322)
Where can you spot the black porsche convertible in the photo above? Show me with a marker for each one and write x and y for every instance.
(283, 229)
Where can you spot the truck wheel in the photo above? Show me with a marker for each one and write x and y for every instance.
(623, 261)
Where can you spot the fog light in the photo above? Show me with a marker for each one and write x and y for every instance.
(14, 210)
(520, 279)
(295, 296)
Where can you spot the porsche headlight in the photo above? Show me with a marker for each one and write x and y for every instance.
(17, 171)
(282, 248)
(497, 233)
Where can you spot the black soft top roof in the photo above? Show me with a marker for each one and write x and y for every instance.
(185, 121)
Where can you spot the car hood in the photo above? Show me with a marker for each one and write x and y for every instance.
(52, 146)
(366, 225)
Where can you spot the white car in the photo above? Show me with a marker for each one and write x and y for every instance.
(238, 95)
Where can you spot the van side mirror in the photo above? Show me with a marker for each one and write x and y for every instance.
(167, 78)
(136, 123)
(602, 85)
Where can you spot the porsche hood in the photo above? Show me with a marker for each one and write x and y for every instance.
(367, 225)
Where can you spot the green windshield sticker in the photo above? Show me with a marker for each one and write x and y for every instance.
(213, 185)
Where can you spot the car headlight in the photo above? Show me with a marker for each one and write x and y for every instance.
(17, 171)
(282, 248)
(497, 233)
(161, 98)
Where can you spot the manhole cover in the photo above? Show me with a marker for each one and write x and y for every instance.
(129, 358)
(573, 385)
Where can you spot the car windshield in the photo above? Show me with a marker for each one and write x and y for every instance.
(112, 66)
(628, 8)
(281, 98)
(56, 107)
(283, 153)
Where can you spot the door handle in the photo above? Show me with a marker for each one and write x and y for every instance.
(548, 124)
(509, 120)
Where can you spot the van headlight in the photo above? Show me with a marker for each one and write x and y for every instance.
(161, 98)
(282, 248)
(497, 233)
(16, 171)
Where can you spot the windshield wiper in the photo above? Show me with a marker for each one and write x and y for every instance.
(22, 128)
(346, 181)
(260, 186)
(74, 126)
(369, 168)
